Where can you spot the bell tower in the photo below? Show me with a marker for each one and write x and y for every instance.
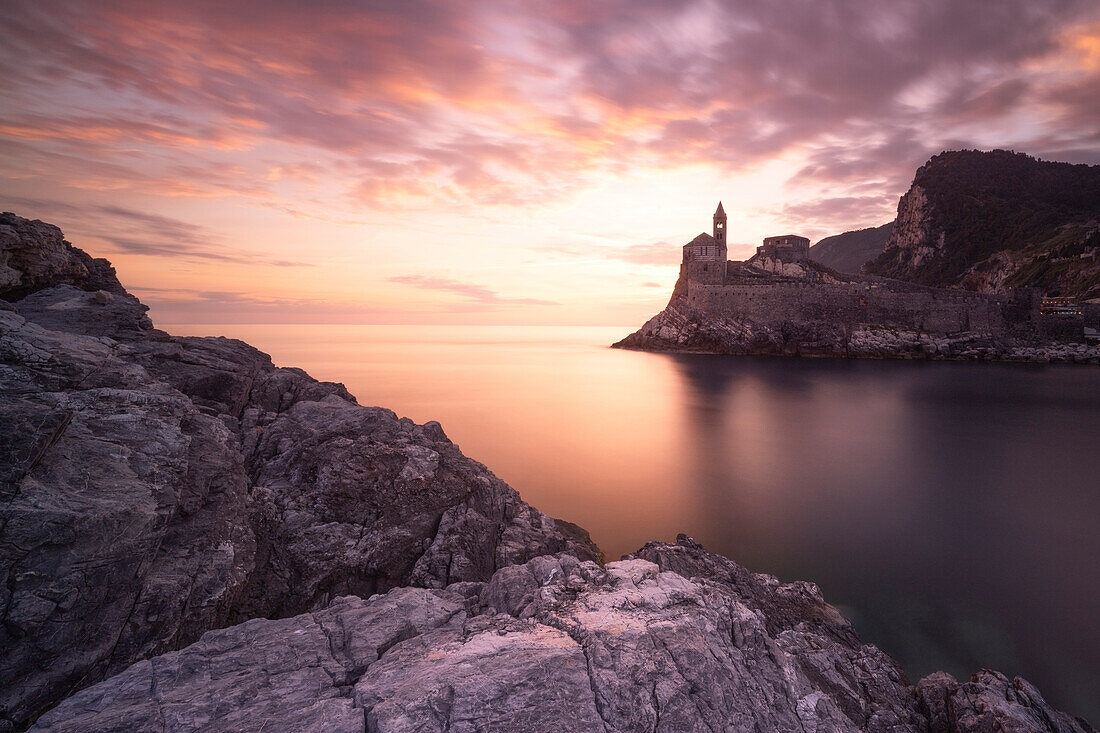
(720, 243)
(705, 256)
(720, 230)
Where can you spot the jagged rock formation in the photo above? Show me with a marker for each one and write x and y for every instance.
(34, 255)
(671, 639)
(993, 221)
(153, 487)
(850, 251)
(967, 221)
(155, 491)
(772, 307)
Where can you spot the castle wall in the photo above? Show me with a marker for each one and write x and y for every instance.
(929, 310)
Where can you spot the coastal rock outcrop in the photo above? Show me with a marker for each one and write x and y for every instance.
(34, 255)
(154, 487)
(769, 306)
(979, 240)
(997, 220)
(671, 639)
(192, 538)
(681, 328)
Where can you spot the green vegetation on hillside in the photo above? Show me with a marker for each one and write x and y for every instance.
(1002, 202)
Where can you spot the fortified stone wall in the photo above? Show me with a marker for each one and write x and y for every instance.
(929, 310)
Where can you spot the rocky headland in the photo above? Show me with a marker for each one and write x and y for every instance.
(997, 220)
(775, 308)
(961, 274)
(192, 538)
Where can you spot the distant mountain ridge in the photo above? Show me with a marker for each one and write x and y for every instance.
(850, 251)
(998, 220)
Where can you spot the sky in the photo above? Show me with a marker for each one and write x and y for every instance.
(501, 162)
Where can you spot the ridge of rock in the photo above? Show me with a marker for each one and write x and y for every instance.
(672, 638)
(996, 220)
(849, 251)
(194, 539)
(154, 487)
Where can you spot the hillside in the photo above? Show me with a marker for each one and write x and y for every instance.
(849, 251)
(993, 221)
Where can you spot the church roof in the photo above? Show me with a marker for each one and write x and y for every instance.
(719, 211)
(703, 238)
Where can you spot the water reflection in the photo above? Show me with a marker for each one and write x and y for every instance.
(951, 509)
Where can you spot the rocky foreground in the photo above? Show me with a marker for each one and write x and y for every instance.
(153, 488)
(194, 539)
(671, 639)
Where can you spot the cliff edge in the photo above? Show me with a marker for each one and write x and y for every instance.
(192, 538)
(997, 220)
(153, 487)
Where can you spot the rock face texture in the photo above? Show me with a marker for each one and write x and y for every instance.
(34, 255)
(671, 639)
(781, 308)
(153, 487)
(194, 539)
(993, 221)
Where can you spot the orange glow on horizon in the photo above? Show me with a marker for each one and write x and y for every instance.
(494, 163)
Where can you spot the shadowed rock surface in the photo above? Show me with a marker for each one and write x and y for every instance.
(156, 490)
(34, 255)
(997, 220)
(671, 639)
(155, 487)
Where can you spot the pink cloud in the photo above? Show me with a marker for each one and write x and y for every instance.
(477, 293)
(506, 103)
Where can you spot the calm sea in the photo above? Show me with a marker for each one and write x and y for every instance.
(950, 510)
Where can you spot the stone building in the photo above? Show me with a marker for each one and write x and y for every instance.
(780, 283)
(786, 247)
(705, 256)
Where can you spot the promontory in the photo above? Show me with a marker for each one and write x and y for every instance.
(194, 539)
(992, 256)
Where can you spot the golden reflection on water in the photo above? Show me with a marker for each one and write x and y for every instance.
(951, 509)
(551, 410)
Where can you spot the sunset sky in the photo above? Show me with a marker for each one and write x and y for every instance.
(421, 161)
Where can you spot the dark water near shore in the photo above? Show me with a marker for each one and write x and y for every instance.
(950, 510)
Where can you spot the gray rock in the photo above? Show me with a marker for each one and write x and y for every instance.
(34, 255)
(124, 523)
(153, 488)
(990, 702)
(69, 309)
(292, 674)
(673, 639)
